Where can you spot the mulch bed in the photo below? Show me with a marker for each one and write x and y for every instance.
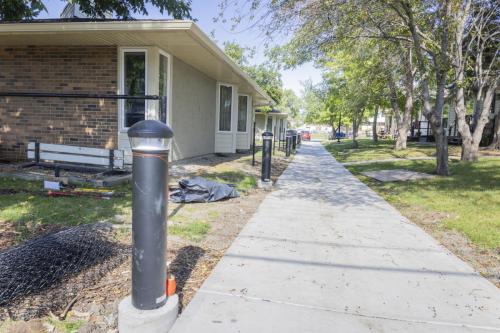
(95, 300)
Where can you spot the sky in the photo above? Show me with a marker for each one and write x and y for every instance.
(204, 11)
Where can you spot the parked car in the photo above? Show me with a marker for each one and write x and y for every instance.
(338, 135)
(305, 135)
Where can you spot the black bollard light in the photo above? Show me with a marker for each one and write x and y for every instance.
(288, 138)
(267, 140)
(294, 140)
(149, 140)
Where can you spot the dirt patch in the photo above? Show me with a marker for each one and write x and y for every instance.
(485, 261)
(190, 260)
(489, 152)
(11, 233)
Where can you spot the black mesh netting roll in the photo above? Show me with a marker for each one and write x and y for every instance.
(44, 273)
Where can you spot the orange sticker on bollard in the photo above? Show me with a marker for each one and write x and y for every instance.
(171, 285)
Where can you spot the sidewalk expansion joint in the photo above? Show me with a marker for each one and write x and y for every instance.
(354, 314)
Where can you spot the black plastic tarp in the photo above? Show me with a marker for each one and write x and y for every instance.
(199, 189)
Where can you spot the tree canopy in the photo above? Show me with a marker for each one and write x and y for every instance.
(442, 52)
(16, 10)
(266, 74)
(292, 105)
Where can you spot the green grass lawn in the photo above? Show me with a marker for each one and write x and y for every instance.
(368, 150)
(193, 230)
(468, 201)
(27, 211)
(239, 179)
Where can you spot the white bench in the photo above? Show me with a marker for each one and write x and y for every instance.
(97, 157)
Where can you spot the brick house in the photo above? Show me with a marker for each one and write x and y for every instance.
(210, 105)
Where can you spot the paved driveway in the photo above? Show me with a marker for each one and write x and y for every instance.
(324, 253)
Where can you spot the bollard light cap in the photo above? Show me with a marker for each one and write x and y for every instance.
(150, 135)
(267, 135)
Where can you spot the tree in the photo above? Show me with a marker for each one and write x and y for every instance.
(400, 74)
(430, 30)
(320, 104)
(314, 103)
(291, 105)
(269, 78)
(495, 144)
(429, 25)
(15, 10)
(266, 75)
(476, 52)
(241, 55)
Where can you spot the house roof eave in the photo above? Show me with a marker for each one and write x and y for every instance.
(191, 44)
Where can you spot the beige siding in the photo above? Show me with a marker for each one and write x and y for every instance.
(260, 123)
(242, 141)
(224, 143)
(193, 111)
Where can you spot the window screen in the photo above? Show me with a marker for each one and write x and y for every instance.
(134, 84)
(226, 96)
(242, 113)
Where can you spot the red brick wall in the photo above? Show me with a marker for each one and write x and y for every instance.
(79, 122)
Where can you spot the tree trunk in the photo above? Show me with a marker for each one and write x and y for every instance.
(472, 138)
(404, 122)
(441, 149)
(470, 151)
(354, 133)
(334, 131)
(356, 121)
(402, 138)
(441, 67)
(471, 133)
(393, 93)
(374, 125)
(496, 133)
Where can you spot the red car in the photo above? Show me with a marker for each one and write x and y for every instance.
(305, 135)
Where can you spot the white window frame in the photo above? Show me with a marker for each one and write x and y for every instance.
(121, 64)
(217, 105)
(267, 122)
(249, 101)
(169, 83)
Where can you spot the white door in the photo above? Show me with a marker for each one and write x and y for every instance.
(225, 127)
(132, 81)
(243, 127)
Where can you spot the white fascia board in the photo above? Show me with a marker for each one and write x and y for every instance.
(45, 27)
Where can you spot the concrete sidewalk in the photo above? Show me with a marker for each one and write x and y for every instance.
(324, 253)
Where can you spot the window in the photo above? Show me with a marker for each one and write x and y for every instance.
(225, 105)
(134, 83)
(163, 85)
(242, 113)
(269, 127)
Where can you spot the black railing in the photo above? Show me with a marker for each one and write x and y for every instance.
(162, 99)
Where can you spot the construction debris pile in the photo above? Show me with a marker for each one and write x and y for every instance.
(44, 274)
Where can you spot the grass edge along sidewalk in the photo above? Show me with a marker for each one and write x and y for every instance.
(461, 210)
(381, 150)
